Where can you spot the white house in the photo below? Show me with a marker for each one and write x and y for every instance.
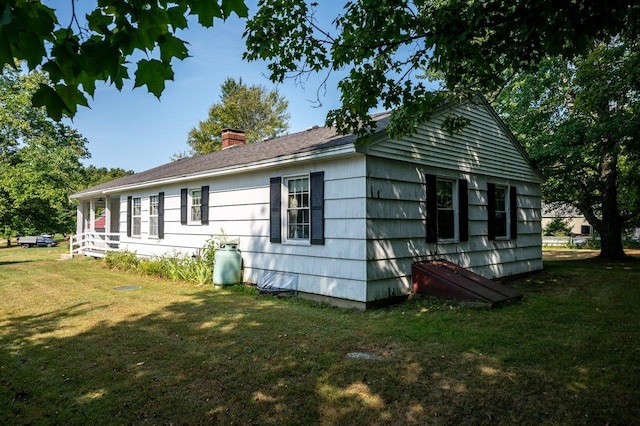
(345, 221)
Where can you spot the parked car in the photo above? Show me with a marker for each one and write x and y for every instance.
(39, 241)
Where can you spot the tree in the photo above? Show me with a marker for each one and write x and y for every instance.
(96, 175)
(39, 161)
(580, 121)
(386, 46)
(77, 55)
(260, 113)
(558, 227)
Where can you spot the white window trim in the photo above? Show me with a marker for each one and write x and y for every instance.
(285, 211)
(456, 211)
(134, 216)
(153, 215)
(190, 205)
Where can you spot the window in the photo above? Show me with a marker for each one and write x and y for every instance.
(502, 221)
(195, 205)
(136, 217)
(298, 213)
(153, 215)
(447, 217)
(446, 213)
(501, 212)
(585, 229)
(297, 205)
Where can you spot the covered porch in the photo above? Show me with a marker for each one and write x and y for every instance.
(97, 226)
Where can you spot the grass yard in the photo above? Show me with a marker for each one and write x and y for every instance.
(73, 350)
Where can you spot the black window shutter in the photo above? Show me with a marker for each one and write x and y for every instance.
(161, 215)
(513, 207)
(275, 203)
(316, 183)
(183, 206)
(491, 209)
(129, 203)
(204, 209)
(432, 208)
(463, 210)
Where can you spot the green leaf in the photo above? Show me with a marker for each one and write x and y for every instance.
(172, 47)
(237, 6)
(99, 57)
(53, 70)
(99, 22)
(46, 97)
(153, 74)
(206, 10)
(6, 52)
(5, 18)
(71, 97)
(88, 83)
(176, 16)
(30, 47)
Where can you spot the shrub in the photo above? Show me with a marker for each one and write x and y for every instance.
(176, 266)
(558, 227)
(122, 260)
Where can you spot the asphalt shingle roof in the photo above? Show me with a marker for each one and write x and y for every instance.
(314, 139)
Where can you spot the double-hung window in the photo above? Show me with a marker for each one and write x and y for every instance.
(195, 205)
(298, 213)
(447, 216)
(502, 212)
(136, 217)
(446, 211)
(296, 207)
(153, 215)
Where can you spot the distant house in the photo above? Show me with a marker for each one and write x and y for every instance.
(575, 220)
(344, 221)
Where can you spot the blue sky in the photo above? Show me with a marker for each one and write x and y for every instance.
(133, 130)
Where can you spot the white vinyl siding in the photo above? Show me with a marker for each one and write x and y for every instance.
(239, 208)
(482, 147)
(396, 227)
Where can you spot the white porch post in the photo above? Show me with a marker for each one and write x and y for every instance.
(92, 214)
(79, 218)
(107, 215)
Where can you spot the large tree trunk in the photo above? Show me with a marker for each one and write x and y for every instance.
(611, 224)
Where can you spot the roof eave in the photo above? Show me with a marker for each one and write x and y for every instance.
(241, 168)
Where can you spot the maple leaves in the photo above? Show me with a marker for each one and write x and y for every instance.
(78, 55)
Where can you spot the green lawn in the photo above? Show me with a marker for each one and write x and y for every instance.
(73, 350)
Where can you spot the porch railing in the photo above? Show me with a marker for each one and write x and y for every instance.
(96, 244)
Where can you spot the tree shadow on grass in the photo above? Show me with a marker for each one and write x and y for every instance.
(220, 359)
(14, 262)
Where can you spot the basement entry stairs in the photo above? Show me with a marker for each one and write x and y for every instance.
(445, 279)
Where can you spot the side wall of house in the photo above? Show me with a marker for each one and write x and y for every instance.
(482, 154)
(239, 208)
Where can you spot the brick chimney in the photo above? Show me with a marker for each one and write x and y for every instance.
(232, 137)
